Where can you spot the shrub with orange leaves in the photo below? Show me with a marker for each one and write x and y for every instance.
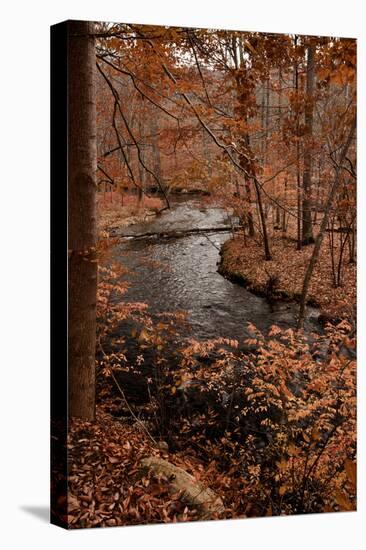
(281, 419)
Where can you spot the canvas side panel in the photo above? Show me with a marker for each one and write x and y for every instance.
(59, 274)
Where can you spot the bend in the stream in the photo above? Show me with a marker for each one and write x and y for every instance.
(181, 274)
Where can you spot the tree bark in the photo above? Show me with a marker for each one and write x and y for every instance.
(307, 226)
(154, 119)
(241, 98)
(267, 252)
(298, 195)
(141, 169)
(323, 226)
(267, 120)
(248, 162)
(207, 153)
(298, 177)
(82, 234)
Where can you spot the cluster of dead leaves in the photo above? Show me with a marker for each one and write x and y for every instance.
(106, 485)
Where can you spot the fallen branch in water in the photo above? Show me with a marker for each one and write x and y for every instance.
(177, 233)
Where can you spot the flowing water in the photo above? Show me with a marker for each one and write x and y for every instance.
(171, 274)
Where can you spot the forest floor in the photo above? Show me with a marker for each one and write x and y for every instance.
(282, 277)
(115, 211)
(108, 487)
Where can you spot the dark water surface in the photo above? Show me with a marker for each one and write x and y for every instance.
(173, 274)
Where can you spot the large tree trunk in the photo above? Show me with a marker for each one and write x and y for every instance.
(82, 235)
(307, 226)
(323, 226)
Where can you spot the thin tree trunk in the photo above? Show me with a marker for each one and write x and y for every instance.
(244, 139)
(251, 229)
(331, 249)
(264, 135)
(307, 226)
(207, 153)
(298, 178)
(352, 258)
(279, 122)
(82, 235)
(284, 211)
(279, 100)
(154, 118)
(267, 252)
(343, 243)
(141, 169)
(278, 218)
(267, 121)
(323, 225)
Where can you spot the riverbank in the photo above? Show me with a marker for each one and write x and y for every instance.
(282, 277)
(116, 211)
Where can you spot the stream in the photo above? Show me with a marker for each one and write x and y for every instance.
(180, 274)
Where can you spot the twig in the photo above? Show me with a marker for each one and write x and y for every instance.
(141, 424)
